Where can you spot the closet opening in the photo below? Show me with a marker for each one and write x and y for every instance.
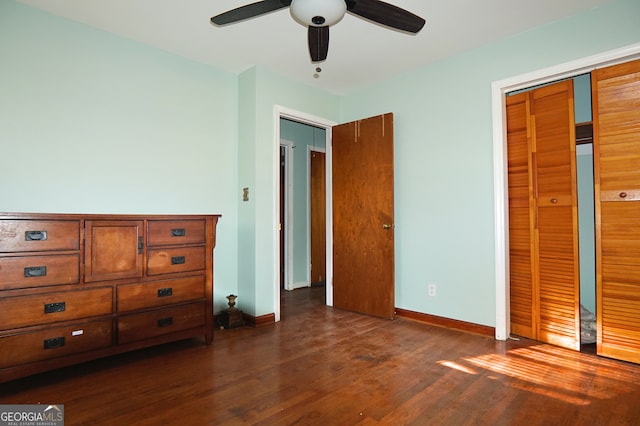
(616, 153)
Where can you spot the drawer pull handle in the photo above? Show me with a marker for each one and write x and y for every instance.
(35, 235)
(178, 232)
(554, 200)
(51, 308)
(56, 342)
(177, 260)
(35, 271)
(164, 292)
(623, 195)
(165, 322)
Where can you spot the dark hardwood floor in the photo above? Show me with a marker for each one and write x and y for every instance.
(329, 367)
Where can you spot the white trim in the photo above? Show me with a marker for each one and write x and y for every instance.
(498, 91)
(328, 163)
(299, 284)
(283, 112)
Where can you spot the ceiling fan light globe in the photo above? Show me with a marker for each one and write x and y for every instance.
(318, 13)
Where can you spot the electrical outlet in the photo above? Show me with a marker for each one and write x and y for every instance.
(431, 288)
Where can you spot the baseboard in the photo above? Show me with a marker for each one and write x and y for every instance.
(249, 320)
(446, 322)
(469, 327)
(260, 321)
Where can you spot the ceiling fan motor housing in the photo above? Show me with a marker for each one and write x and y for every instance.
(318, 13)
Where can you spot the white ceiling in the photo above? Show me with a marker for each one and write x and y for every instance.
(360, 53)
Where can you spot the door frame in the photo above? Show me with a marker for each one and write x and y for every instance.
(323, 123)
(499, 89)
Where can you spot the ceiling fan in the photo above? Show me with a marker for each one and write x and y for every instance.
(319, 15)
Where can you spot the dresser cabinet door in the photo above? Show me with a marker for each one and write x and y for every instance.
(113, 249)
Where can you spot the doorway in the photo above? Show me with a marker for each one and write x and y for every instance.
(302, 204)
(323, 139)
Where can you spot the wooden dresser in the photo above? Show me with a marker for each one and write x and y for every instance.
(78, 287)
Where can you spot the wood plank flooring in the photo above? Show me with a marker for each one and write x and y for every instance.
(324, 366)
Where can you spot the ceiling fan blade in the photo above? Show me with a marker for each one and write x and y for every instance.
(249, 11)
(386, 14)
(318, 43)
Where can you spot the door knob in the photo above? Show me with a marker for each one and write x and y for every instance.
(386, 226)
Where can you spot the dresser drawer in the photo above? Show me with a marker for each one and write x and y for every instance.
(159, 293)
(36, 271)
(174, 232)
(54, 342)
(159, 322)
(179, 259)
(39, 235)
(22, 311)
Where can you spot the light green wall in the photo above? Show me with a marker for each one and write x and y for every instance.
(586, 227)
(94, 123)
(586, 215)
(444, 165)
(246, 291)
(582, 97)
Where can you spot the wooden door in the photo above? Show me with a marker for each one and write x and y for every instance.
(556, 233)
(616, 115)
(363, 235)
(317, 204)
(523, 303)
(543, 220)
(113, 249)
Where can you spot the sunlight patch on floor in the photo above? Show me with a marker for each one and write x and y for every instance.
(457, 366)
(554, 372)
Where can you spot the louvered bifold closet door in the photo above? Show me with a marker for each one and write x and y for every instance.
(557, 214)
(616, 108)
(523, 305)
(543, 219)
